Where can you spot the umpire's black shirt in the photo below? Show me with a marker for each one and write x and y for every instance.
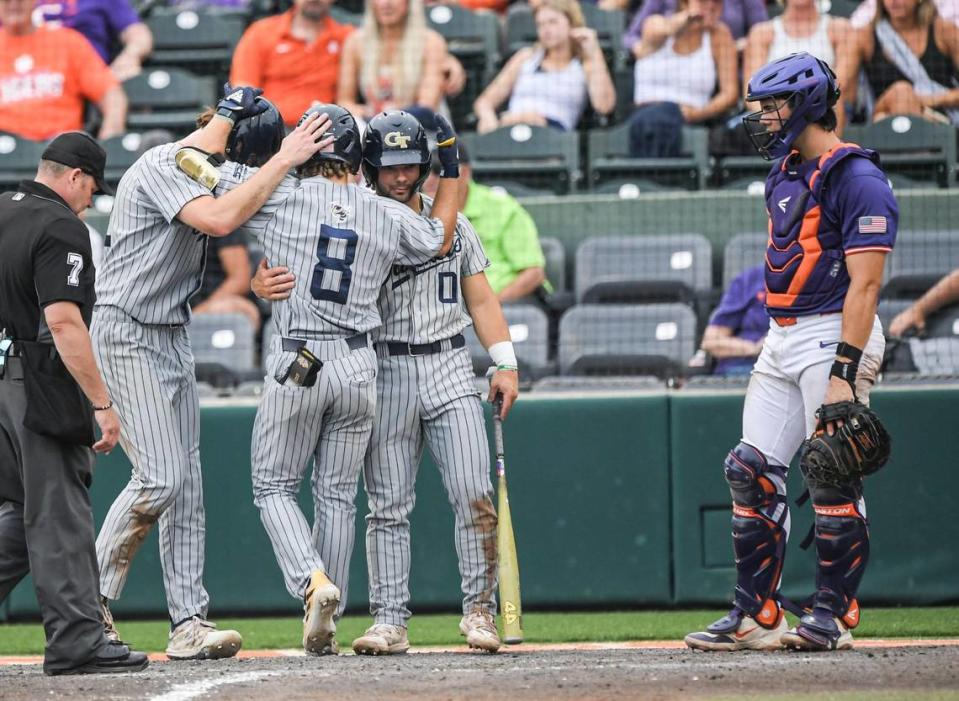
(44, 258)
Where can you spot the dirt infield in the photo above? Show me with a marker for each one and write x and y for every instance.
(622, 671)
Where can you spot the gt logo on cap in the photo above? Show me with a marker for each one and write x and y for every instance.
(396, 139)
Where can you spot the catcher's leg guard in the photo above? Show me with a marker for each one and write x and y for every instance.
(760, 530)
(842, 549)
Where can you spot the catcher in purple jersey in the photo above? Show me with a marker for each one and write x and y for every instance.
(832, 222)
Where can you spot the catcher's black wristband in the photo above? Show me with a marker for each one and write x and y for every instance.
(846, 370)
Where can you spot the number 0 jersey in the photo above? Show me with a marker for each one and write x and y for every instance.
(820, 212)
(340, 242)
(422, 303)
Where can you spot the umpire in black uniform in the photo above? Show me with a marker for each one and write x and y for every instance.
(50, 395)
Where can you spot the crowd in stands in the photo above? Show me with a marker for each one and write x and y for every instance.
(676, 62)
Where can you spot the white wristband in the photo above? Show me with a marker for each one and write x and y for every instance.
(502, 353)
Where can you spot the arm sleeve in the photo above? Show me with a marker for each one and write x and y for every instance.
(520, 241)
(732, 307)
(121, 15)
(93, 77)
(63, 264)
(867, 213)
(419, 237)
(168, 187)
(473, 258)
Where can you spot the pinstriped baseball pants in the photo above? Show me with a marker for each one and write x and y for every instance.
(330, 423)
(428, 399)
(149, 373)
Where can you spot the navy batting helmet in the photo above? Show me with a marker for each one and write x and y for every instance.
(346, 137)
(253, 141)
(393, 139)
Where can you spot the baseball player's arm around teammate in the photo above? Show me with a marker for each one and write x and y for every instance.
(493, 332)
(222, 215)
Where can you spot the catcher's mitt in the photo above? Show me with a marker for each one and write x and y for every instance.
(860, 447)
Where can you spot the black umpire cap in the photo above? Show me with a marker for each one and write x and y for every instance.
(78, 149)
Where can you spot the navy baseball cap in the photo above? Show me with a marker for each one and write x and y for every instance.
(77, 149)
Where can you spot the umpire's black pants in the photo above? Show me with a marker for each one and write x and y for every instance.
(46, 527)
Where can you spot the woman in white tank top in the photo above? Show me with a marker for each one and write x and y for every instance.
(548, 84)
(682, 57)
(800, 28)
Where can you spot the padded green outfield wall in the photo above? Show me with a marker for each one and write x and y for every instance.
(617, 501)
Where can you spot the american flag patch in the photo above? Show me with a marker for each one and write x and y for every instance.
(872, 225)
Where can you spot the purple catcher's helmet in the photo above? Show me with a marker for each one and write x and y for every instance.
(809, 87)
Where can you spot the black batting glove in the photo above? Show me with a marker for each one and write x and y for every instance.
(446, 149)
(240, 103)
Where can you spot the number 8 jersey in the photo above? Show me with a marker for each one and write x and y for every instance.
(340, 242)
(422, 303)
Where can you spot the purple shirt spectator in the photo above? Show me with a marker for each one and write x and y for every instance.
(742, 309)
(738, 15)
(100, 21)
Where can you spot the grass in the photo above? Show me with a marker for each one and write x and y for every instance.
(545, 627)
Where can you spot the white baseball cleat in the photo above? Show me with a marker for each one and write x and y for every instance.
(198, 639)
(737, 631)
(382, 639)
(479, 627)
(322, 599)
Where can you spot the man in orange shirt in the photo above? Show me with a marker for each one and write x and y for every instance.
(46, 74)
(294, 57)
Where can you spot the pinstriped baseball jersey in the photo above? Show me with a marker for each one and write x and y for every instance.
(340, 242)
(422, 303)
(154, 262)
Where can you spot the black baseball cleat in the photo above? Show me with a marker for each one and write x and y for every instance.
(114, 658)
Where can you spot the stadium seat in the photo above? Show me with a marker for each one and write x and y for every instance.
(555, 254)
(18, 159)
(122, 152)
(585, 383)
(514, 188)
(167, 98)
(197, 39)
(919, 260)
(473, 37)
(631, 269)
(739, 171)
(529, 331)
(629, 188)
(743, 251)
(609, 157)
(935, 356)
(224, 339)
(911, 147)
(652, 339)
(536, 156)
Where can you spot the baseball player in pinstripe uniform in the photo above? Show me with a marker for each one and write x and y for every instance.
(340, 241)
(153, 264)
(426, 393)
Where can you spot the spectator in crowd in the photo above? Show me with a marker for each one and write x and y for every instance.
(738, 15)
(105, 24)
(394, 61)
(46, 74)
(680, 59)
(910, 56)
(506, 230)
(548, 84)
(942, 294)
(866, 12)
(295, 57)
(226, 280)
(801, 27)
(737, 327)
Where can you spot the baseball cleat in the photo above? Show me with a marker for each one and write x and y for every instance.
(198, 639)
(737, 631)
(479, 627)
(382, 639)
(819, 631)
(322, 599)
(109, 629)
(114, 658)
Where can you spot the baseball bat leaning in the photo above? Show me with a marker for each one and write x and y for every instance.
(511, 609)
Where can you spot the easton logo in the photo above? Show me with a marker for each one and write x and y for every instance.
(783, 202)
(396, 139)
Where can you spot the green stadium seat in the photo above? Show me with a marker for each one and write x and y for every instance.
(18, 159)
(555, 254)
(199, 40)
(911, 147)
(167, 98)
(609, 158)
(743, 251)
(122, 152)
(920, 259)
(535, 156)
